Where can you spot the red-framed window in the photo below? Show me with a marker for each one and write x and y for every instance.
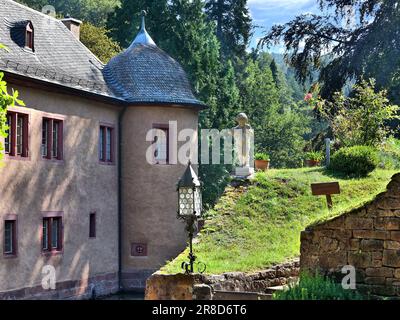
(92, 225)
(161, 141)
(29, 36)
(52, 139)
(52, 235)
(10, 237)
(16, 142)
(106, 144)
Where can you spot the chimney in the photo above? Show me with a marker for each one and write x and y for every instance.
(73, 25)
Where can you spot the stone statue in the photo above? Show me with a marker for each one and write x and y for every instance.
(243, 136)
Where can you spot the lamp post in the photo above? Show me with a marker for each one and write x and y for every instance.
(189, 209)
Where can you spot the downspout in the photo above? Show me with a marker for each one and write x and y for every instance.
(120, 118)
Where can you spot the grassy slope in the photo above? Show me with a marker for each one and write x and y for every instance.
(249, 231)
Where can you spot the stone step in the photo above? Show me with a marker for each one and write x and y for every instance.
(272, 290)
(240, 295)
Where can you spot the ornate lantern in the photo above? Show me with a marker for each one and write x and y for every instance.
(189, 210)
(189, 194)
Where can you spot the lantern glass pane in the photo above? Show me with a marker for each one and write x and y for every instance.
(186, 204)
(197, 201)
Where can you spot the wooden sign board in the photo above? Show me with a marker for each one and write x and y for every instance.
(322, 189)
(326, 189)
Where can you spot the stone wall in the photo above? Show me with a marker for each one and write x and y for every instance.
(367, 238)
(89, 288)
(204, 287)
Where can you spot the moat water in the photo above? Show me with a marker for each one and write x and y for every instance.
(125, 296)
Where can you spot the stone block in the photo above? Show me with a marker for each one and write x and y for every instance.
(390, 203)
(385, 213)
(376, 263)
(393, 188)
(359, 259)
(391, 258)
(397, 273)
(387, 223)
(392, 245)
(371, 244)
(359, 223)
(332, 260)
(370, 234)
(377, 255)
(374, 280)
(328, 244)
(354, 244)
(382, 290)
(379, 272)
(337, 223)
(202, 292)
(395, 235)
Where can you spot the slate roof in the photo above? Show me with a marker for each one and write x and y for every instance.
(141, 74)
(145, 73)
(58, 56)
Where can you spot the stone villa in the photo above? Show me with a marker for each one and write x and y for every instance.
(76, 190)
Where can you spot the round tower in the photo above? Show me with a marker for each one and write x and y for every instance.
(159, 97)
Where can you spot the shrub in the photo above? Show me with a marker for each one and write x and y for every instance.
(389, 154)
(317, 288)
(261, 156)
(314, 155)
(361, 119)
(355, 161)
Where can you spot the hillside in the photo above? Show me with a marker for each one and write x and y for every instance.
(254, 227)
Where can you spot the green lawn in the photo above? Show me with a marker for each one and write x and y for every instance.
(251, 230)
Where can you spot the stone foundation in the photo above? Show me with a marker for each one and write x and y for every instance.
(203, 287)
(98, 286)
(135, 280)
(367, 238)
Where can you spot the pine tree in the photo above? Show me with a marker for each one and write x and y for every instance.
(124, 22)
(234, 26)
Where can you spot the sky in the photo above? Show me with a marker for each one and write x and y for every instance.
(266, 13)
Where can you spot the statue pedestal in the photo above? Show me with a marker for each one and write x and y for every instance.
(244, 171)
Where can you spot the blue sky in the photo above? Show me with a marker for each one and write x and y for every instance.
(266, 13)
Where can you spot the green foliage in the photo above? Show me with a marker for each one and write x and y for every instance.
(314, 155)
(389, 154)
(355, 161)
(251, 229)
(124, 22)
(97, 41)
(361, 119)
(234, 25)
(356, 51)
(93, 11)
(281, 135)
(6, 100)
(317, 288)
(261, 156)
(215, 177)
(278, 129)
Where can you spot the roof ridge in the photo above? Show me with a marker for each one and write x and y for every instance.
(59, 22)
(33, 10)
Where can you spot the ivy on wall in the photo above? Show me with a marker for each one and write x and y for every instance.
(6, 100)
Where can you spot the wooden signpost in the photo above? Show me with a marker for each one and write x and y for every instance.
(326, 189)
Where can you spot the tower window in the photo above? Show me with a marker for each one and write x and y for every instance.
(106, 144)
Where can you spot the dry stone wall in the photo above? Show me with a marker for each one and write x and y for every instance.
(206, 287)
(367, 238)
